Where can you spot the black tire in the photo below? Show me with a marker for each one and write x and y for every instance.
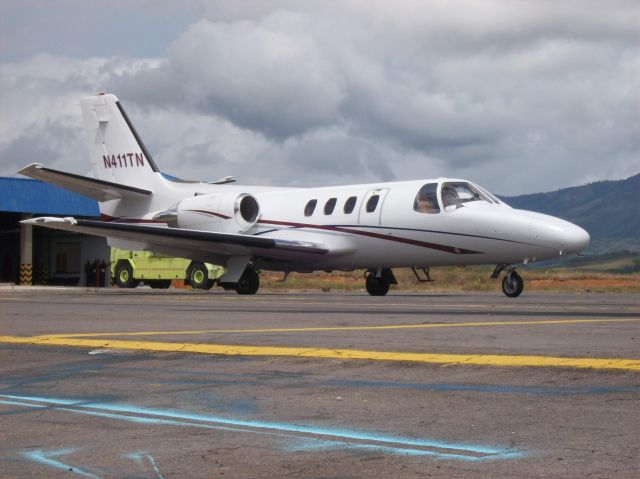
(199, 276)
(249, 282)
(377, 286)
(124, 276)
(159, 283)
(512, 284)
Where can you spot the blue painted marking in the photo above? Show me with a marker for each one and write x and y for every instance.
(396, 445)
(46, 458)
(19, 403)
(140, 457)
(320, 445)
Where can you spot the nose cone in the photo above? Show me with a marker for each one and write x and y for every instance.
(558, 236)
(574, 239)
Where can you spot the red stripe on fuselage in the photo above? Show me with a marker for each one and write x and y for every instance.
(219, 215)
(397, 239)
(339, 229)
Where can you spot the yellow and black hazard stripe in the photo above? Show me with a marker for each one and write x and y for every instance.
(26, 274)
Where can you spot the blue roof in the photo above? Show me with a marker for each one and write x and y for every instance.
(26, 195)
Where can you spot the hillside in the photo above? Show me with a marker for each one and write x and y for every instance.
(608, 210)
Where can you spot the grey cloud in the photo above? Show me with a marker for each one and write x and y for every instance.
(259, 76)
(521, 96)
(48, 143)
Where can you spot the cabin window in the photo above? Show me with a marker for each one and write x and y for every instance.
(457, 193)
(310, 208)
(329, 206)
(372, 203)
(427, 199)
(350, 204)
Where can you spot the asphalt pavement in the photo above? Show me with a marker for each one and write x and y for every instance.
(173, 384)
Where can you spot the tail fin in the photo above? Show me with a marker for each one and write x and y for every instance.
(117, 152)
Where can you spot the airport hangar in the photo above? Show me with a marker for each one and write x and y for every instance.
(31, 255)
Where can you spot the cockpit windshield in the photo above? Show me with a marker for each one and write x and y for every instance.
(458, 193)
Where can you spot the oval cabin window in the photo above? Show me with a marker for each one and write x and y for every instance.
(329, 206)
(350, 204)
(310, 208)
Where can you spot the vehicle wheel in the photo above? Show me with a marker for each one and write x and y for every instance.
(159, 283)
(377, 286)
(249, 282)
(512, 284)
(199, 276)
(124, 276)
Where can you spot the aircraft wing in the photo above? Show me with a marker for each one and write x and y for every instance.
(99, 190)
(193, 243)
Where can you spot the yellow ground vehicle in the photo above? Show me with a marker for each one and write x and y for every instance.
(129, 268)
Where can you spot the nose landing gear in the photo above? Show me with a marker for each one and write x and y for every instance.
(512, 283)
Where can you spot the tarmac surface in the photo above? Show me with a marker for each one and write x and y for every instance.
(173, 384)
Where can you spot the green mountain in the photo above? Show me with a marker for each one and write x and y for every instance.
(608, 210)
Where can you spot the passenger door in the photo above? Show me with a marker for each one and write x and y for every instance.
(371, 208)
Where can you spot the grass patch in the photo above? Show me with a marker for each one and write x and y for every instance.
(458, 278)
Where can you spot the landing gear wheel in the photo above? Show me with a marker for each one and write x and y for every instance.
(124, 276)
(376, 286)
(249, 282)
(159, 283)
(199, 276)
(512, 284)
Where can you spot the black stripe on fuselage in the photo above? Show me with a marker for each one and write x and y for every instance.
(142, 146)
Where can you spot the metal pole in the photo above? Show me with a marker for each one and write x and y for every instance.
(26, 253)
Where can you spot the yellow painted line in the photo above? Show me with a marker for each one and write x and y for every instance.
(237, 350)
(351, 328)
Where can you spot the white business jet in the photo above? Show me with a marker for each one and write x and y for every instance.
(375, 227)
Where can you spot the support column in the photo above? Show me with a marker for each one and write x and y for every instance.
(26, 253)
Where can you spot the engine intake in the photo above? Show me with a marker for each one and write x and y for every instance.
(248, 207)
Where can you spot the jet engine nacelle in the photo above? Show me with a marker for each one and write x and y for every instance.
(225, 212)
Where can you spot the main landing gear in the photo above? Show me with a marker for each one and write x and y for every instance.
(512, 283)
(249, 282)
(379, 281)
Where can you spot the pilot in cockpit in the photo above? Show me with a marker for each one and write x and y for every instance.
(425, 205)
(450, 196)
(426, 201)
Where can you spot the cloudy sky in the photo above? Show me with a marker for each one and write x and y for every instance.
(519, 96)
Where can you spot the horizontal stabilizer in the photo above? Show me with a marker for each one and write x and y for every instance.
(99, 190)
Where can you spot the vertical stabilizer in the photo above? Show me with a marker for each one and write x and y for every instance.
(118, 154)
